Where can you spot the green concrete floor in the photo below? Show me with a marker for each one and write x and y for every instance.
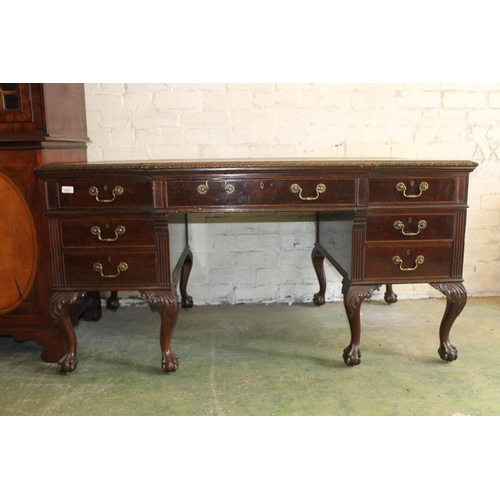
(266, 360)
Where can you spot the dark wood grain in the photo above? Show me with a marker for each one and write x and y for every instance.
(372, 232)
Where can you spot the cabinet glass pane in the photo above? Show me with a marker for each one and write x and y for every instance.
(9, 97)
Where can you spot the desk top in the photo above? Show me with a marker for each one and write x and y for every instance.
(296, 165)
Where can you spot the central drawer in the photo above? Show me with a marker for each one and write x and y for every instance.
(227, 192)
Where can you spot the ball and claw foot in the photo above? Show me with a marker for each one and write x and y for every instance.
(113, 303)
(447, 352)
(67, 363)
(169, 362)
(319, 299)
(352, 355)
(390, 297)
(187, 302)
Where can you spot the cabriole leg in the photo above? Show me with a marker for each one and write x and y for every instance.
(354, 295)
(166, 302)
(186, 300)
(318, 263)
(456, 298)
(60, 306)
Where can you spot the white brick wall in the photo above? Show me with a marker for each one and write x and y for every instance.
(266, 258)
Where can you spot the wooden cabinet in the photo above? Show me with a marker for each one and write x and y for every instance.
(39, 124)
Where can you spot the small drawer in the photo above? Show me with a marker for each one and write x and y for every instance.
(419, 189)
(227, 192)
(408, 263)
(213, 192)
(409, 226)
(107, 232)
(105, 193)
(103, 269)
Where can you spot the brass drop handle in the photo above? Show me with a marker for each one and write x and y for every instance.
(399, 225)
(400, 186)
(96, 231)
(203, 188)
(397, 260)
(122, 266)
(295, 188)
(117, 191)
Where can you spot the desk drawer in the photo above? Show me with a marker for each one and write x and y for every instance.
(409, 226)
(407, 263)
(107, 232)
(419, 189)
(104, 269)
(229, 192)
(105, 193)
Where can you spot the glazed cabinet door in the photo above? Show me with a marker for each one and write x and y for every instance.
(15, 103)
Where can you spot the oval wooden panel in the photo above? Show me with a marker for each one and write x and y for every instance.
(18, 247)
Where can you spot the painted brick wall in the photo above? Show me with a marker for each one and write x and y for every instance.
(266, 258)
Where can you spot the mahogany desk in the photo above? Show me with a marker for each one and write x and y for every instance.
(123, 226)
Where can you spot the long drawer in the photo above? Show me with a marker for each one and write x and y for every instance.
(227, 192)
